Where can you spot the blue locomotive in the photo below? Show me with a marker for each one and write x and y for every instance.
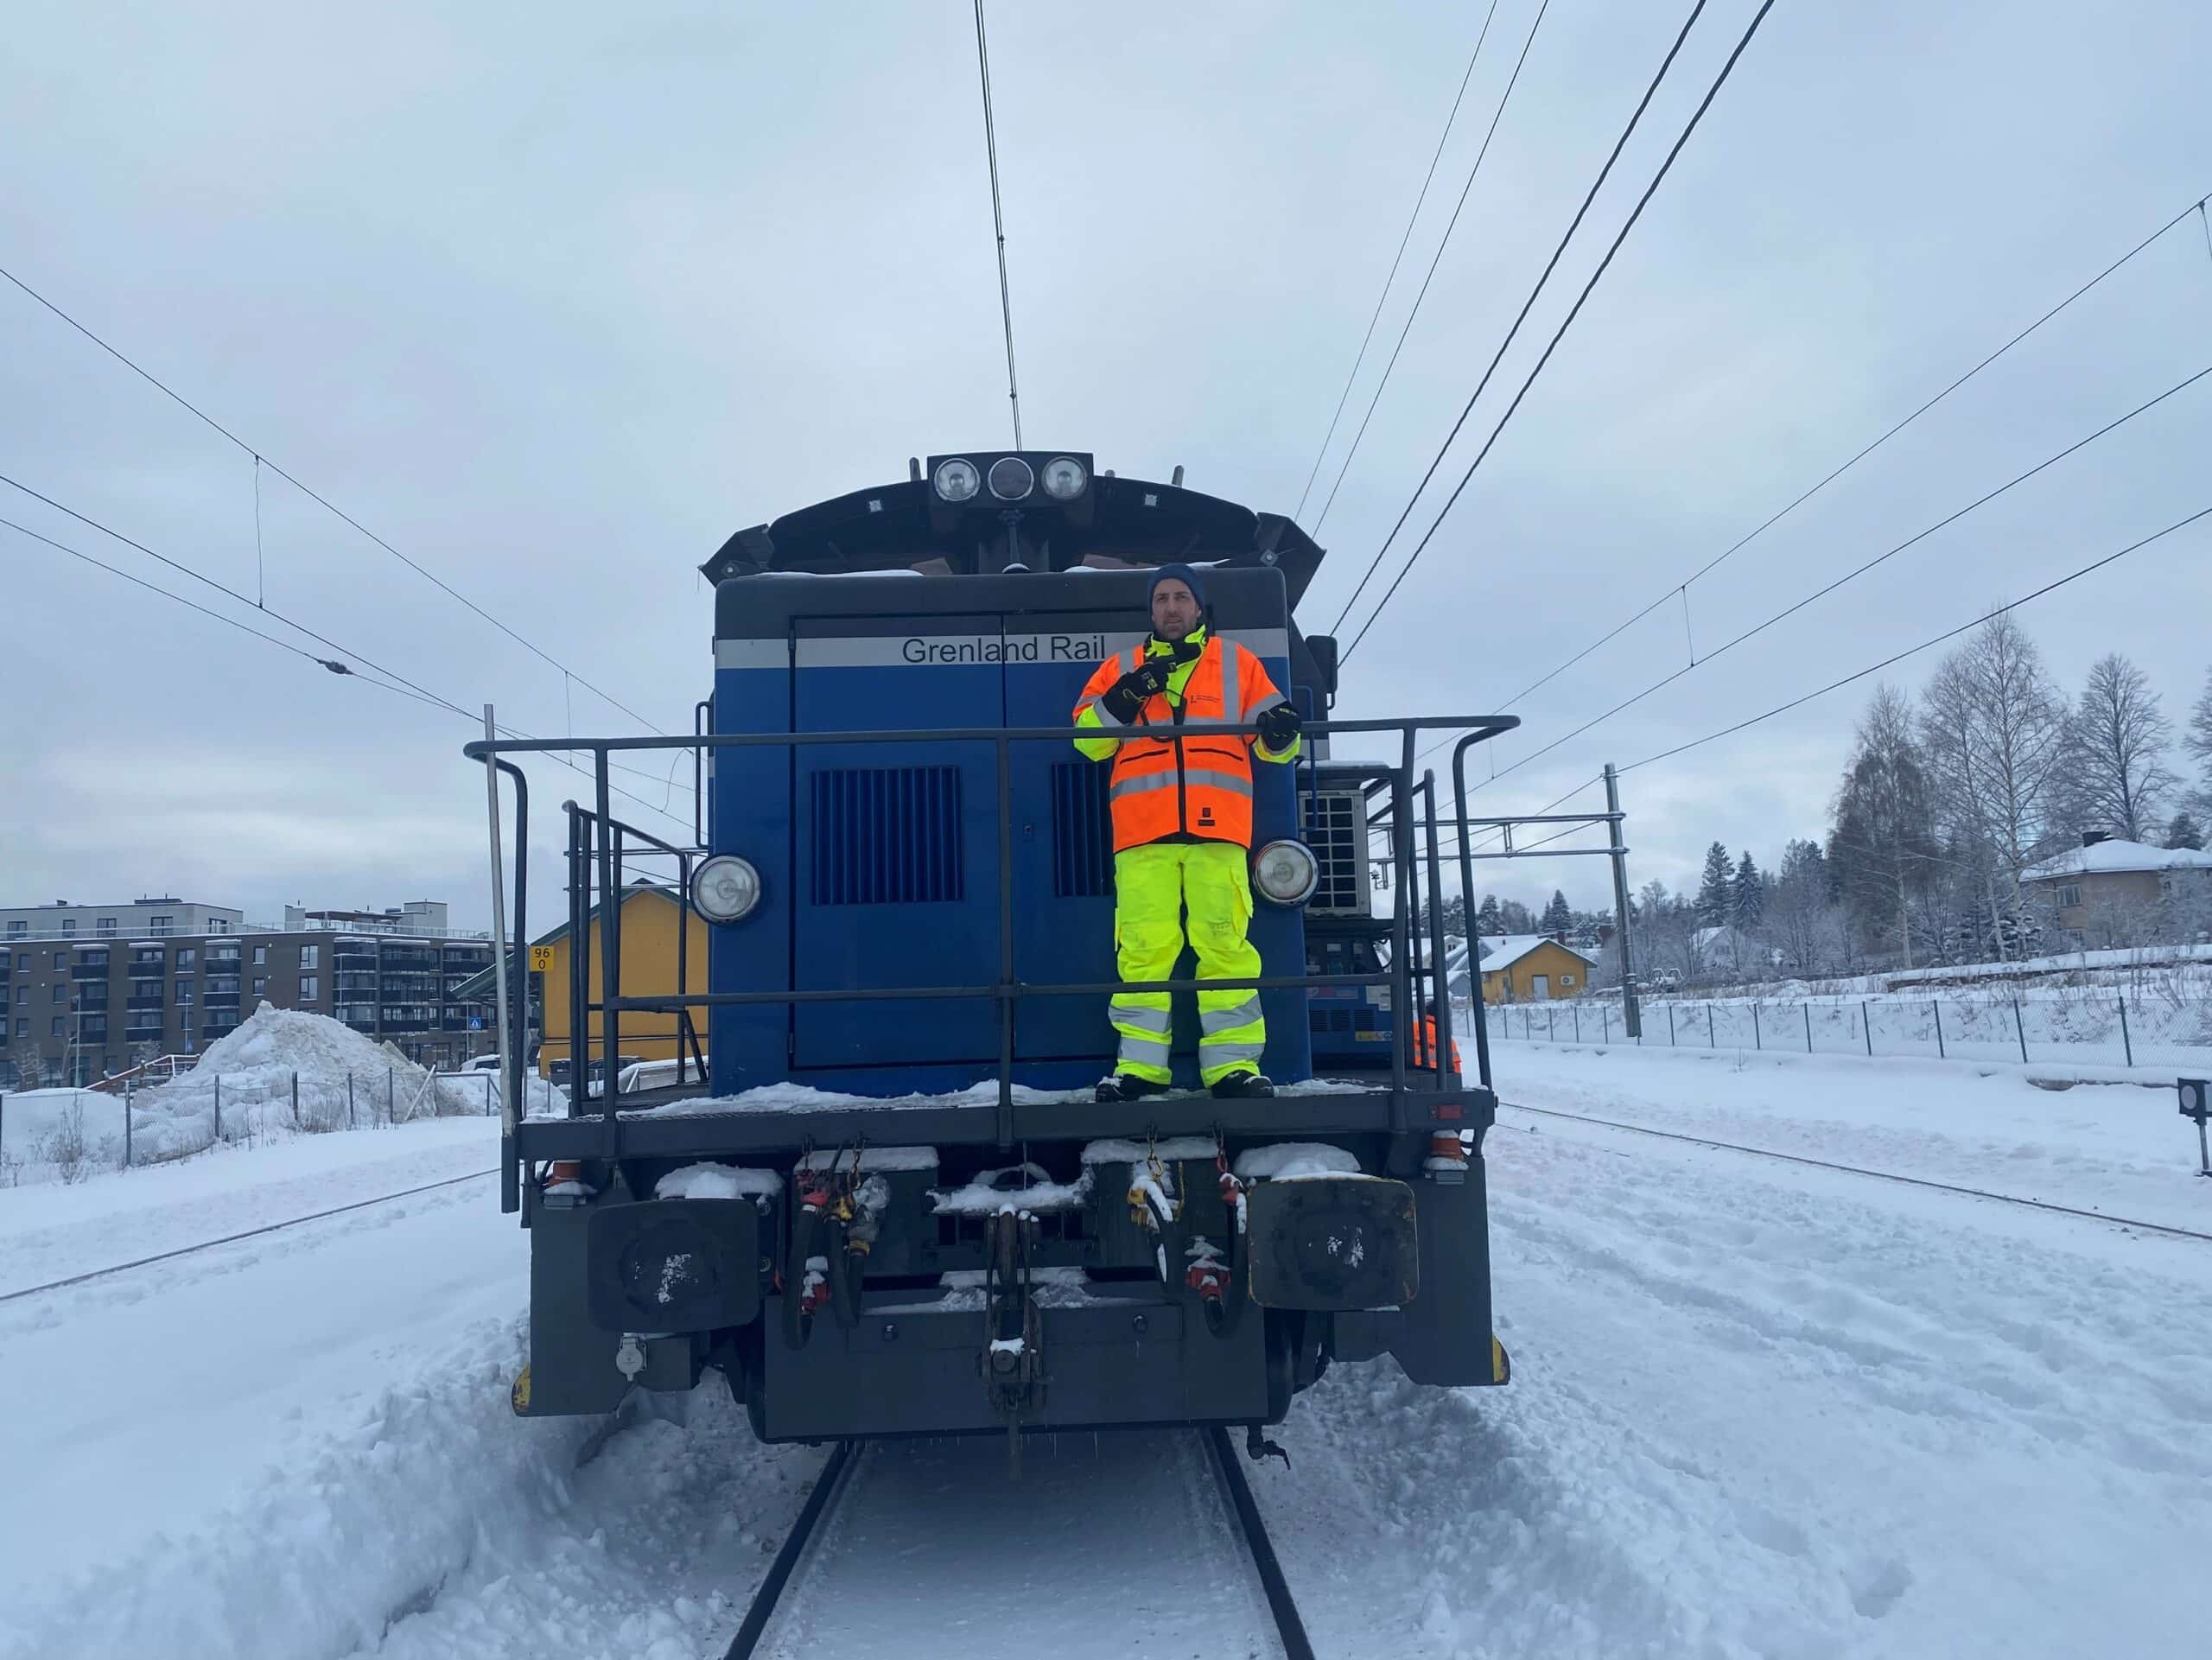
(897, 1208)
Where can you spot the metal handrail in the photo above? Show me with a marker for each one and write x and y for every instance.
(601, 847)
(1485, 727)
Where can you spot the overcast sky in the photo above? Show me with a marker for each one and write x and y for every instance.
(554, 297)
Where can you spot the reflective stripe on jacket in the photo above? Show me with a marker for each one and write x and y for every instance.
(1199, 786)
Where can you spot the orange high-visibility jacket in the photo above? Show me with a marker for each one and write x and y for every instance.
(1425, 1044)
(1194, 787)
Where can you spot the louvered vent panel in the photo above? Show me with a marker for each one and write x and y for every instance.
(1336, 829)
(888, 835)
(1083, 831)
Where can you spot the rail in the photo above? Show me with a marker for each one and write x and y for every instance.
(834, 1483)
(597, 841)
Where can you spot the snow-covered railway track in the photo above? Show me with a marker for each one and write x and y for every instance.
(1958, 1189)
(1105, 1542)
(233, 1238)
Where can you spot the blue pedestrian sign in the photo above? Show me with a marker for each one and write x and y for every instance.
(475, 1023)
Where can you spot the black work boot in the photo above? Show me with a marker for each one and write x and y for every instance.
(1243, 1085)
(1127, 1087)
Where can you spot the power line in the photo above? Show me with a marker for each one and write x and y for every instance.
(1721, 80)
(392, 680)
(1495, 836)
(1413, 218)
(1590, 196)
(1852, 575)
(230, 593)
(330, 663)
(261, 460)
(1949, 633)
(1838, 472)
(2052, 587)
(1496, 116)
(998, 220)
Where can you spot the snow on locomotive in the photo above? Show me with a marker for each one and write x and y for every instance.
(898, 1207)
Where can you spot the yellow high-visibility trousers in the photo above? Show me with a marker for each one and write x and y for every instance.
(1153, 886)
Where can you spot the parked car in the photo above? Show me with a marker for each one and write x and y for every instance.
(561, 1071)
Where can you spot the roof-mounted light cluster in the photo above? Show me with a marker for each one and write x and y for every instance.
(1010, 478)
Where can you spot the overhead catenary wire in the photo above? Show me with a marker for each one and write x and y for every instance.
(998, 220)
(388, 679)
(260, 461)
(1412, 219)
(333, 665)
(1890, 661)
(429, 699)
(1850, 576)
(1895, 658)
(1858, 456)
(1493, 836)
(1551, 264)
(229, 593)
(1604, 265)
(1452, 225)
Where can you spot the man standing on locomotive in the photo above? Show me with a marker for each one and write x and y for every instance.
(1182, 812)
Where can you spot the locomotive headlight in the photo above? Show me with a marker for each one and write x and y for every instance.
(1064, 478)
(1011, 479)
(1285, 872)
(726, 888)
(957, 479)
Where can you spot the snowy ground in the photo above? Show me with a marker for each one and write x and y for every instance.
(2119, 1148)
(170, 1437)
(1757, 1409)
(52, 1232)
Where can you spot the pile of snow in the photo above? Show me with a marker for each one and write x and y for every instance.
(1016, 1188)
(712, 1180)
(1294, 1162)
(58, 1134)
(344, 1080)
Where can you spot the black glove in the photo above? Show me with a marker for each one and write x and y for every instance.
(1126, 698)
(1278, 727)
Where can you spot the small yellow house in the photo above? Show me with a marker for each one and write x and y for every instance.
(1532, 968)
(651, 916)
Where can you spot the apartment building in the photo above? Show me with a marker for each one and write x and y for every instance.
(158, 919)
(79, 1008)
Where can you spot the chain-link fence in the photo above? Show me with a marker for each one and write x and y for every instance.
(2089, 1027)
(67, 1134)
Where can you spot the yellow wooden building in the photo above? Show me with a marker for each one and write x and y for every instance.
(650, 931)
(1532, 968)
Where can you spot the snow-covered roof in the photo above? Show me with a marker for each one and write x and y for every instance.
(1503, 950)
(2113, 857)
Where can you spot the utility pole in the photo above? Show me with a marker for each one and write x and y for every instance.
(1631, 1011)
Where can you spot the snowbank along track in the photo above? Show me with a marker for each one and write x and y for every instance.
(898, 1562)
(1860, 1170)
(233, 1238)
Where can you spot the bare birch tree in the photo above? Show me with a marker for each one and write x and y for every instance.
(2115, 775)
(1995, 731)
